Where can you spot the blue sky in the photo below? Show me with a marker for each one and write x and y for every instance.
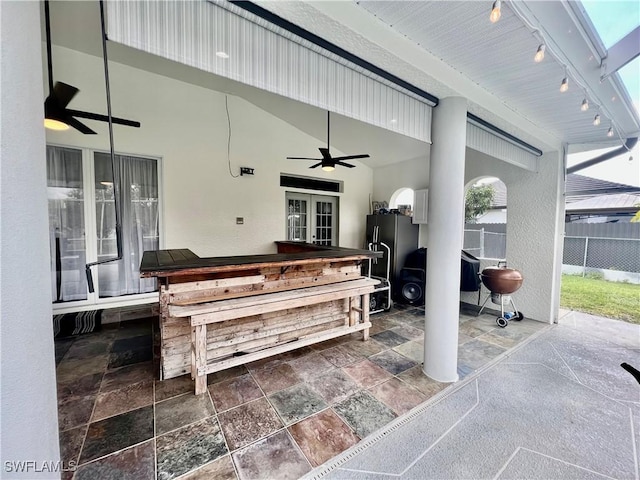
(613, 19)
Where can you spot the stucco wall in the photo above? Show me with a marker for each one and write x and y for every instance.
(27, 382)
(534, 229)
(186, 126)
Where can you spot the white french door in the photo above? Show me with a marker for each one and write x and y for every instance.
(82, 225)
(312, 218)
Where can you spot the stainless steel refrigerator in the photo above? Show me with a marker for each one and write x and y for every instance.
(401, 236)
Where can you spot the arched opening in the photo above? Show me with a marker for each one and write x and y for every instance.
(402, 199)
(485, 229)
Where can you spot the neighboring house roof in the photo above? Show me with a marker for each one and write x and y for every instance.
(602, 203)
(578, 189)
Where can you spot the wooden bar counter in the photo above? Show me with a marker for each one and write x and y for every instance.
(219, 312)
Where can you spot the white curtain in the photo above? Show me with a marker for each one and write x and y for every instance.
(138, 182)
(66, 224)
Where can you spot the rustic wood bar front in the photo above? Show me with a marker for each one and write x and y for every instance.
(220, 312)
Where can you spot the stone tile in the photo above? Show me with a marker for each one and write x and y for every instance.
(84, 386)
(392, 361)
(79, 351)
(123, 400)
(131, 343)
(310, 365)
(334, 342)
(380, 323)
(412, 350)
(75, 412)
(408, 331)
(418, 380)
(389, 338)
(135, 463)
(125, 376)
(173, 387)
(69, 370)
(398, 396)
(70, 444)
(129, 357)
(277, 377)
(505, 337)
(296, 403)
(463, 338)
(134, 327)
(364, 348)
(323, 436)
(366, 373)
(182, 410)
(220, 469)
(226, 374)
(189, 448)
(474, 328)
(275, 457)
(477, 353)
(364, 413)
(62, 347)
(115, 433)
(339, 356)
(248, 423)
(233, 392)
(334, 386)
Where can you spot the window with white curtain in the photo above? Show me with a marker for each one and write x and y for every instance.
(82, 222)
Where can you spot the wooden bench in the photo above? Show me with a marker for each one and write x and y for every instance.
(237, 342)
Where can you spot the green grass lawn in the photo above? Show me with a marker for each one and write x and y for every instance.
(620, 301)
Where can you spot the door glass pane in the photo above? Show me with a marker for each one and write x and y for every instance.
(66, 224)
(297, 219)
(138, 183)
(324, 212)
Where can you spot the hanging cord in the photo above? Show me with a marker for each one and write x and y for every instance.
(115, 172)
(226, 107)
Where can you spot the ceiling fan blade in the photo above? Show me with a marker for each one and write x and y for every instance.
(64, 93)
(325, 153)
(352, 157)
(316, 165)
(348, 165)
(81, 127)
(103, 118)
(303, 158)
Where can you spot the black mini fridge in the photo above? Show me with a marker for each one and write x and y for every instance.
(401, 236)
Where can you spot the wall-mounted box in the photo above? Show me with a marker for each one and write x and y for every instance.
(420, 204)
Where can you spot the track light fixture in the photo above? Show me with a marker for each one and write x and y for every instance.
(495, 11)
(610, 132)
(596, 120)
(585, 105)
(564, 86)
(539, 56)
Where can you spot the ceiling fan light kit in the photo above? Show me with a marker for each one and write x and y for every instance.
(327, 162)
(56, 114)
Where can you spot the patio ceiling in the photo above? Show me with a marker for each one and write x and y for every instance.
(451, 48)
(444, 47)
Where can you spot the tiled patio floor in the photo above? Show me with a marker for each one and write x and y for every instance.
(276, 418)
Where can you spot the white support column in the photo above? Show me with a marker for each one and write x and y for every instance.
(28, 409)
(444, 239)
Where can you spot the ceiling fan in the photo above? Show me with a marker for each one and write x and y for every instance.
(327, 162)
(56, 114)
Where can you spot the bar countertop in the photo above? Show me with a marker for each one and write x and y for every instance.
(167, 263)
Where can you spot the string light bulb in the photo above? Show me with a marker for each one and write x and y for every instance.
(539, 56)
(495, 11)
(610, 132)
(564, 86)
(596, 120)
(585, 105)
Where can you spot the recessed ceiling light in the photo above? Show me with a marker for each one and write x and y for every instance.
(222, 54)
(393, 120)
